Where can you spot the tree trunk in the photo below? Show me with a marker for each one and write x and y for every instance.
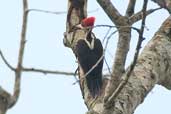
(153, 67)
(4, 101)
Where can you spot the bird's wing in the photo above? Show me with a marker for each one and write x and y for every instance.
(82, 52)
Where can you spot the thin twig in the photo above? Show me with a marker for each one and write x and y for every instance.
(110, 54)
(107, 42)
(75, 74)
(108, 68)
(138, 16)
(104, 25)
(46, 11)
(140, 39)
(105, 69)
(55, 12)
(106, 35)
(6, 62)
(44, 71)
(119, 27)
(109, 37)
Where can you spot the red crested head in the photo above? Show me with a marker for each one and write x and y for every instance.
(88, 22)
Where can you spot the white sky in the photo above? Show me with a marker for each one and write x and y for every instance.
(55, 94)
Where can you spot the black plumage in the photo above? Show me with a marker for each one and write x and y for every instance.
(88, 53)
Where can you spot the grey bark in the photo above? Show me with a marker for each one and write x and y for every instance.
(153, 66)
(4, 97)
(7, 100)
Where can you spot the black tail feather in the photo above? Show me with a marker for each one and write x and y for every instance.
(94, 86)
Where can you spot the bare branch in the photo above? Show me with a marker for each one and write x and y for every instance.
(6, 62)
(164, 4)
(18, 72)
(108, 68)
(130, 9)
(46, 11)
(55, 12)
(138, 16)
(119, 27)
(44, 71)
(110, 10)
(128, 74)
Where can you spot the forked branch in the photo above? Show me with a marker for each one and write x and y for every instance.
(18, 72)
(128, 73)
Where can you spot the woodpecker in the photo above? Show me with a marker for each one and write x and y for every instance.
(88, 51)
